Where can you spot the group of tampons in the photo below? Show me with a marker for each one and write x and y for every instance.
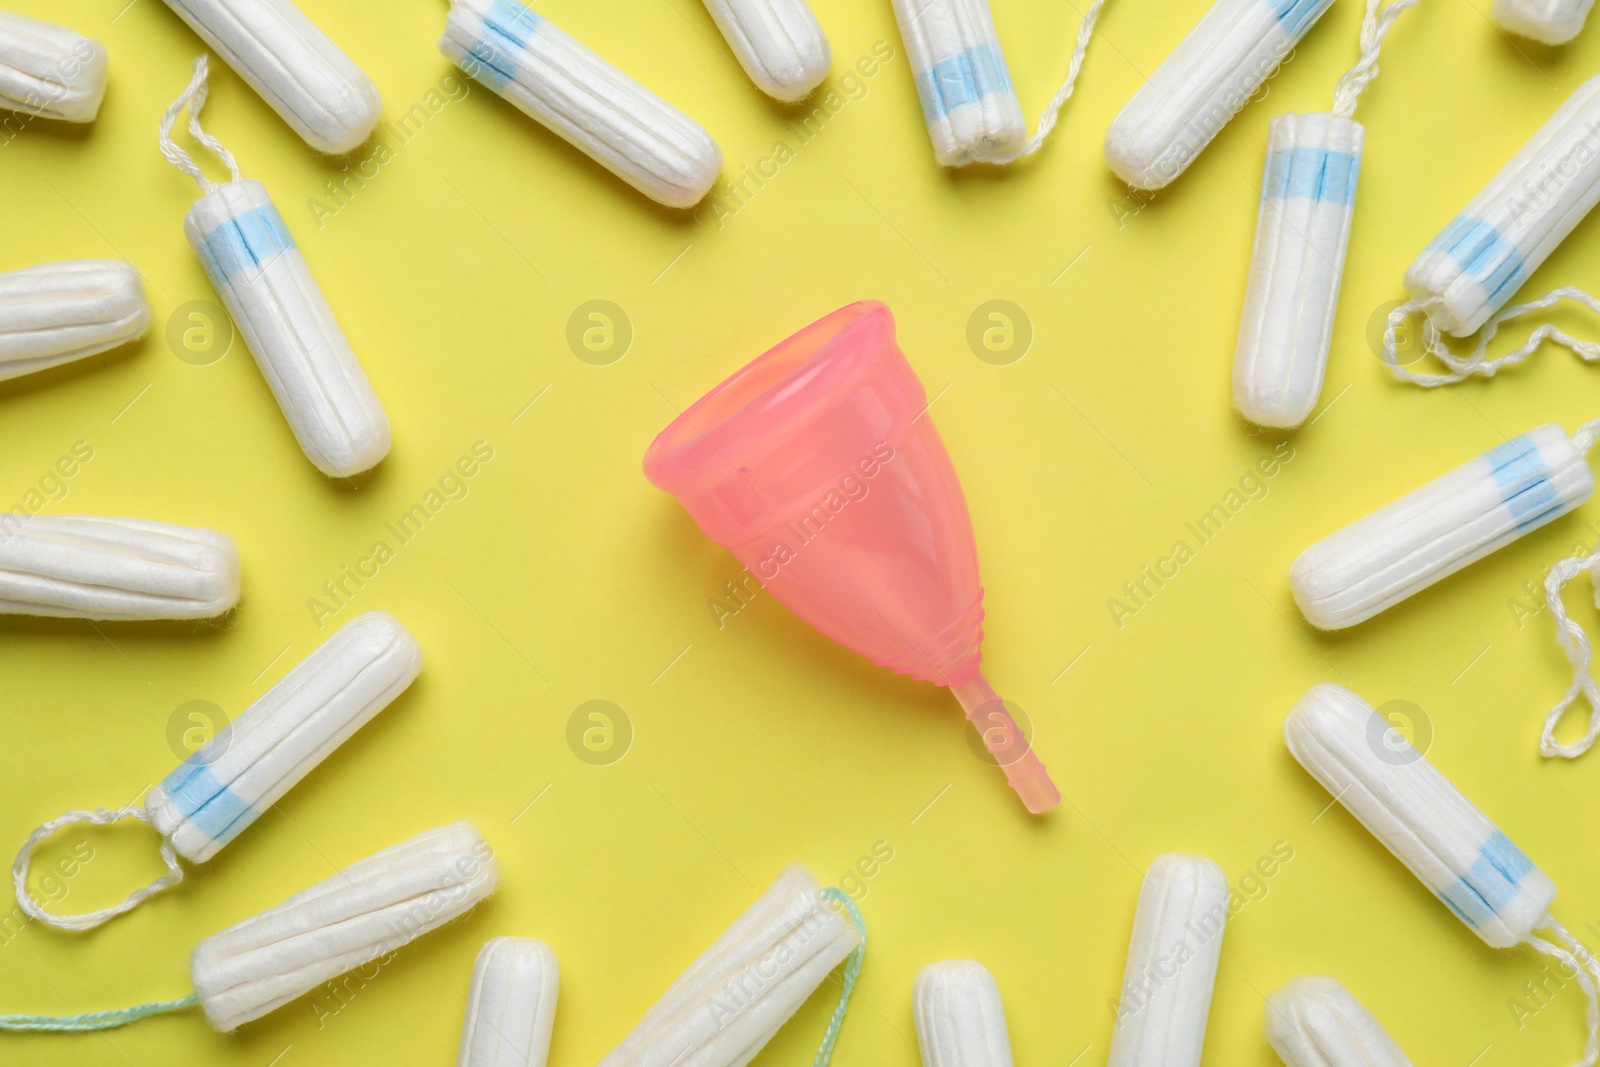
(734, 998)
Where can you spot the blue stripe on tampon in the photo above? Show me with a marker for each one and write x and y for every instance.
(506, 29)
(963, 79)
(1297, 16)
(1312, 173)
(223, 816)
(1490, 884)
(1484, 255)
(247, 240)
(1521, 472)
(209, 805)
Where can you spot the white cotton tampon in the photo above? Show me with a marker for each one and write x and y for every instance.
(264, 282)
(779, 43)
(55, 313)
(1212, 73)
(1479, 261)
(366, 910)
(49, 71)
(511, 1006)
(87, 566)
(1432, 532)
(629, 130)
(1545, 21)
(1182, 913)
(275, 742)
(1315, 1022)
(1302, 233)
(962, 80)
(959, 1017)
(739, 993)
(297, 69)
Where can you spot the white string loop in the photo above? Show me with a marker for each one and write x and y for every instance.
(1373, 28)
(89, 920)
(1582, 964)
(1576, 645)
(1476, 361)
(194, 98)
(1047, 121)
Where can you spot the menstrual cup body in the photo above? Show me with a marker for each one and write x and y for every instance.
(818, 466)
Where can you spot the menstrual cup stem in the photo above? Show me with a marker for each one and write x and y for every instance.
(1007, 743)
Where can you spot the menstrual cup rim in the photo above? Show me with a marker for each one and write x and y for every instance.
(665, 464)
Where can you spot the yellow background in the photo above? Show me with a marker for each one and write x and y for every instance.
(564, 577)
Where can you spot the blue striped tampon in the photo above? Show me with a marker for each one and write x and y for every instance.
(252, 762)
(1302, 235)
(1545, 21)
(1432, 532)
(632, 132)
(1417, 814)
(1464, 278)
(964, 85)
(263, 281)
(1208, 78)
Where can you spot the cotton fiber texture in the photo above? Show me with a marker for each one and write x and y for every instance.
(1315, 1022)
(511, 1006)
(1545, 21)
(49, 71)
(960, 1019)
(56, 313)
(252, 762)
(1302, 233)
(779, 43)
(1172, 964)
(1430, 533)
(739, 993)
(94, 567)
(365, 911)
(281, 54)
(1213, 72)
(623, 126)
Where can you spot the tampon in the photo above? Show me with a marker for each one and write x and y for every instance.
(964, 85)
(1315, 1022)
(1208, 78)
(779, 44)
(511, 1006)
(365, 911)
(250, 764)
(1480, 260)
(626, 128)
(94, 567)
(264, 282)
(1302, 233)
(49, 71)
(959, 1017)
(1545, 21)
(1172, 964)
(1432, 532)
(59, 312)
(1451, 846)
(734, 998)
(297, 69)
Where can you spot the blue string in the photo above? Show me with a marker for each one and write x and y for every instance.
(852, 970)
(95, 1020)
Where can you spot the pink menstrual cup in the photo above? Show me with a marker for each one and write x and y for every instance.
(818, 466)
